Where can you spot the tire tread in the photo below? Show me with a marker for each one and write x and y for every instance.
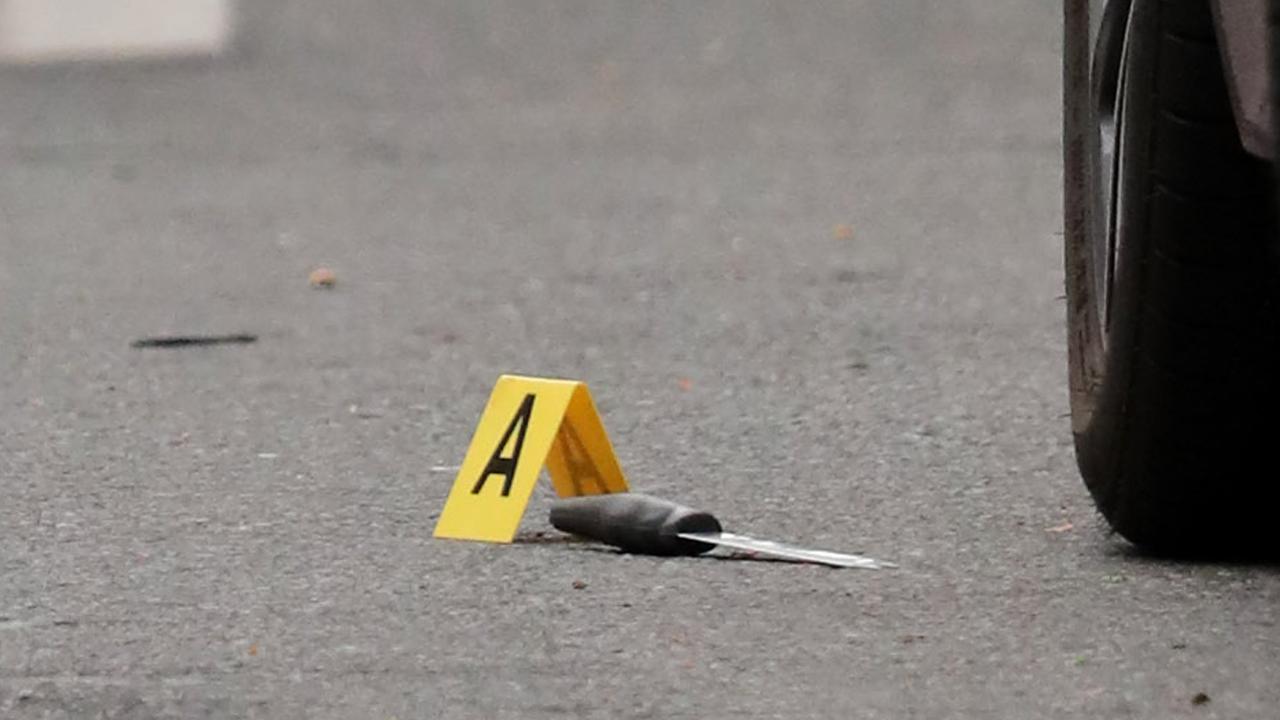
(1180, 435)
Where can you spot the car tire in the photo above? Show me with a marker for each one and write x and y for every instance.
(1172, 306)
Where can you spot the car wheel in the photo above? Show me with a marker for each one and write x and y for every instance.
(1172, 312)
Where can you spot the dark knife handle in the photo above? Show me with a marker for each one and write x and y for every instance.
(634, 523)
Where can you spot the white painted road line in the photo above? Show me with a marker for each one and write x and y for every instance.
(36, 31)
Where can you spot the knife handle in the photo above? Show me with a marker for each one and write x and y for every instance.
(635, 523)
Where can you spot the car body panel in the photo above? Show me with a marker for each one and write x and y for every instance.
(1242, 35)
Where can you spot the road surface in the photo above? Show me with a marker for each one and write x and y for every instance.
(807, 256)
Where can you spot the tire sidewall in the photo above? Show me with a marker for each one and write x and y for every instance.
(1105, 447)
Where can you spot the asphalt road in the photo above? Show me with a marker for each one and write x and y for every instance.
(645, 196)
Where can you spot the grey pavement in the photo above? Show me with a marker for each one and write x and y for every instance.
(644, 196)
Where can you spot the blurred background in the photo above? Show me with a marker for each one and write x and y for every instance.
(562, 178)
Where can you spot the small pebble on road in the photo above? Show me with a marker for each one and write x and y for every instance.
(323, 278)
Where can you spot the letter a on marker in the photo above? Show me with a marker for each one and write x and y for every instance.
(505, 466)
(528, 423)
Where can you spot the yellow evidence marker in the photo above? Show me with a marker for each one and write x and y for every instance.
(528, 423)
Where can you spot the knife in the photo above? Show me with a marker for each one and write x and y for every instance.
(647, 525)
